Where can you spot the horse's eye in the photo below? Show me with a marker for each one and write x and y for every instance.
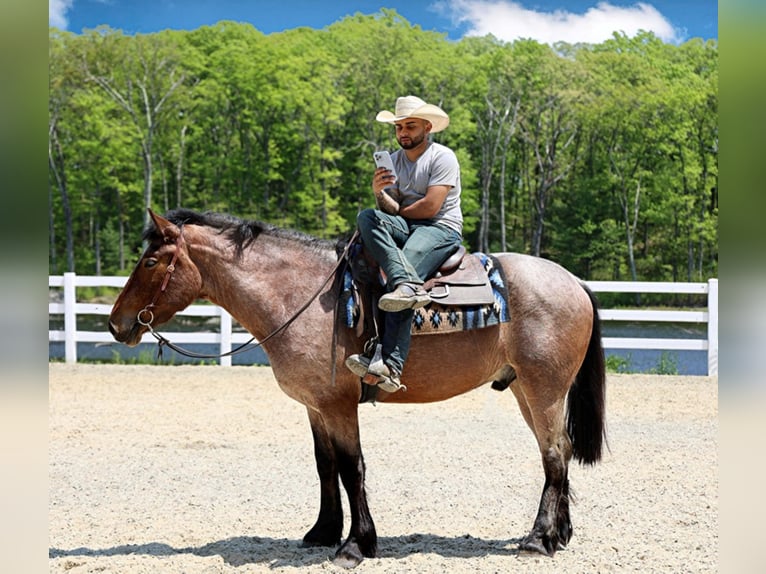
(150, 262)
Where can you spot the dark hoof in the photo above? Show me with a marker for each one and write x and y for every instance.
(347, 562)
(546, 547)
(350, 555)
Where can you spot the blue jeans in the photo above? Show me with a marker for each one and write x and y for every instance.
(407, 251)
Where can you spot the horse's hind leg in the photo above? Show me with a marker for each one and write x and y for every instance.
(329, 525)
(552, 528)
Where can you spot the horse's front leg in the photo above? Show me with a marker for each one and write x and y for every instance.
(338, 452)
(362, 539)
(328, 528)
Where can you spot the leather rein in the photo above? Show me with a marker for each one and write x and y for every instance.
(163, 341)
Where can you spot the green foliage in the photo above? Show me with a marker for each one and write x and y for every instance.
(148, 357)
(603, 157)
(666, 365)
(98, 294)
(144, 357)
(618, 364)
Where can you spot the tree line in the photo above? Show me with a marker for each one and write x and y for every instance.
(601, 157)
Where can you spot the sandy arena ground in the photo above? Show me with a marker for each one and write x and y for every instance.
(182, 469)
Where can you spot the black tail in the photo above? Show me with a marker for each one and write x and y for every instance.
(586, 398)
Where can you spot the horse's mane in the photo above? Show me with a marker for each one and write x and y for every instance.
(241, 232)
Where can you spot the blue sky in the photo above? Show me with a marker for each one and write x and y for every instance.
(547, 21)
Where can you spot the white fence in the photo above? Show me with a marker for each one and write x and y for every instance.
(70, 308)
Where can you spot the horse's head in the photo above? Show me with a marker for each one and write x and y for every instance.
(164, 282)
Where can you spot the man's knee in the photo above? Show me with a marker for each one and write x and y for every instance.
(366, 219)
(366, 215)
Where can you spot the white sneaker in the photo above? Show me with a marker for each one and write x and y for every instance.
(378, 374)
(405, 296)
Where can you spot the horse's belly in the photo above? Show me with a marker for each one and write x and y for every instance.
(443, 366)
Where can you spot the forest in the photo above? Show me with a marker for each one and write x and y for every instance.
(602, 157)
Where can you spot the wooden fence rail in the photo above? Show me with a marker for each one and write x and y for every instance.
(70, 308)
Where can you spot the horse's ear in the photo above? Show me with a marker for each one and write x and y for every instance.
(165, 228)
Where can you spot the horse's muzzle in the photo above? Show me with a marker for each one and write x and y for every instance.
(131, 336)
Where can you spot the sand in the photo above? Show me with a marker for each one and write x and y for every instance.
(206, 469)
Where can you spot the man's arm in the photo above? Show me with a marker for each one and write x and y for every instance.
(383, 201)
(429, 205)
(386, 203)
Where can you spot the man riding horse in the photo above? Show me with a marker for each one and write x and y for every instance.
(416, 225)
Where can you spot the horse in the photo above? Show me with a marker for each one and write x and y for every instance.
(549, 353)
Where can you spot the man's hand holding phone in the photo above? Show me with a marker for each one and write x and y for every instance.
(383, 160)
(385, 179)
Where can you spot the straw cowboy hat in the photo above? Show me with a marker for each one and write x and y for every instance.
(414, 107)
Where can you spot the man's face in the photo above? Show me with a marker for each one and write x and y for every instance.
(412, 132)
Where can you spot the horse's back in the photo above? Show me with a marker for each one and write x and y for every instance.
(531, 277)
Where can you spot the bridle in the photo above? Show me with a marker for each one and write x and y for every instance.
(163, 341)
(179, 243)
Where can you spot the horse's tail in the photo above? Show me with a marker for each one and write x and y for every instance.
(586, 398)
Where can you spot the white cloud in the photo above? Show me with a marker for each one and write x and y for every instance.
(57, 10)
(508, 21)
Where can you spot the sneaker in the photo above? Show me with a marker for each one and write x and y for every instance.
(358, 364)
(389, 381)
(405, 296)
(377, 374)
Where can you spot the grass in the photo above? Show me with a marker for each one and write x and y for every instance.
(618, 364)
(666, 364)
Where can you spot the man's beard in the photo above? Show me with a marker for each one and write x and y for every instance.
(414, 142)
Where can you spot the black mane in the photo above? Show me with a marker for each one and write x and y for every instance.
(241, 232)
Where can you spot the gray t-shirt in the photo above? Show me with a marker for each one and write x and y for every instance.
(437, 165)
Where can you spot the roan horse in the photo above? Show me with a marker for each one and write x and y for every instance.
(549, 353)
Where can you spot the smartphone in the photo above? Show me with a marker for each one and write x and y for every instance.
(383, 159)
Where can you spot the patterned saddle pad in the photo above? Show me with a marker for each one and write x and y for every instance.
(436, 318)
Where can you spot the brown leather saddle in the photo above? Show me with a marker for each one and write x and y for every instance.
(461, 280)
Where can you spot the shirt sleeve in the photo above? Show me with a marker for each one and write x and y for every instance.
(445, 169)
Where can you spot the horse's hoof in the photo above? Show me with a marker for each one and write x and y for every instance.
(348, 557)
(536, 544)
(351, 554)
(347, 562)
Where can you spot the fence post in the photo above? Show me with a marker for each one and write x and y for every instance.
(70, 318)
(712, 327)
(225, 337)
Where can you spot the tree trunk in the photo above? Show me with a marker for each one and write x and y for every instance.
(180, 166)
(121, 231)
(51, 231)
(503, 243)
(97, 231)
(56, 163)
(147, 155)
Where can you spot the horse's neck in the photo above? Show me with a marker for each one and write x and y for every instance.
(265, 286)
